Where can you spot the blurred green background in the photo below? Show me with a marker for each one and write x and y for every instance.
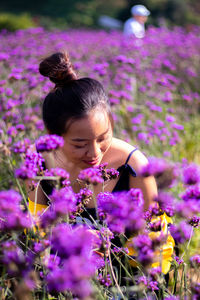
(85, 13)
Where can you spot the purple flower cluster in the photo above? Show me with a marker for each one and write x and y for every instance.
(149, 284)
(32, 165)
(16, 261)
(49, 142)
(165, 203)
(78, 264)
(195, 260)
(62, 174)
(108, 174)
(91, 176)
(21, 146)
(191, 174)
(63, 203)
(143, 244)
(181, 232)
(12, 218)
(192, 193)
(122, 210)
(155, 167)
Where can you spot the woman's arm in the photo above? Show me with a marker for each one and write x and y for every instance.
(146, 184)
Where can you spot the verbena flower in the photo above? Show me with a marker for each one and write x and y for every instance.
(143, 244)
(91, 176)
(84, 196)
(191, 174)
(21, 146)
(105, 280)
(107, 174)
(192, 193)
(181, 232)
(49, 142)
(150, 284)
(32, 165)
(15, 260)
(195, 261)
(59, 172)
(164, 172)
(63, 202)
(187, 209)
(73, 276)
(78, 264)
(195, 288)
(166, 203)
(178, 260)
(81, 240)
(122, 210)
(11, 215)
(194, 221)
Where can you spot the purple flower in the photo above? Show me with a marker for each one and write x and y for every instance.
(12, 218)
(178, 260)
(194, 221)
(187, 209)
(191, 174)
(32, 165)
(63, 202)
(177, 126)
(155, 273)
(164, 172)
(52, 262)
(105, 280)
(91, 176)
(155, 167)
(150, 284)
(195, 288)
(192, 193)
(181, 232)
(62, 174)
(73, 276)
(15, 260)
(49, 142)
(143, 244)
(166, 203)
(81, 241)
(21, 146)
(122, 210)
(78, 264)
(195, 261)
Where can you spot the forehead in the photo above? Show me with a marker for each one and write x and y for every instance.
(96, 123)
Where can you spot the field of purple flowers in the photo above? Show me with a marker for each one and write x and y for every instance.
(153, 87)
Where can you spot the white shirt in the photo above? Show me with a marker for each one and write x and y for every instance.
(133, 27)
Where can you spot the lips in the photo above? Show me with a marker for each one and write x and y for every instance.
(91, 162)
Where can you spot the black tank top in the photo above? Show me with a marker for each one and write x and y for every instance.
(122, 184)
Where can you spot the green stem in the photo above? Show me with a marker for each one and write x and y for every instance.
(113, 275)
(175, 281)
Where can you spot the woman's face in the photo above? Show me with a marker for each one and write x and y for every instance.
(88, 139)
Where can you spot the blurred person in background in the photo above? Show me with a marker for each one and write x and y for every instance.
(135, 26)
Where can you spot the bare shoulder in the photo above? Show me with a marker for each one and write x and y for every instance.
(121, 151)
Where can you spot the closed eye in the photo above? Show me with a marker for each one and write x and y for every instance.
(79, 146)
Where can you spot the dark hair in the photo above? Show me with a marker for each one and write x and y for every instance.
(71, 98)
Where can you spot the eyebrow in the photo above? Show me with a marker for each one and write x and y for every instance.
(84, 140)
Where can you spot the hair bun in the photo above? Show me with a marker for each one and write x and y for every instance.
(58, 68)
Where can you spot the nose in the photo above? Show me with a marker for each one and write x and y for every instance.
(93, 150)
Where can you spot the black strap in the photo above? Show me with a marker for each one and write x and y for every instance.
(130, 155)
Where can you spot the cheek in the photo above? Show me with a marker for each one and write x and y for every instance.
(105, 145)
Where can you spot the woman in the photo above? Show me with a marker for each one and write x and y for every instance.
(79, 111)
